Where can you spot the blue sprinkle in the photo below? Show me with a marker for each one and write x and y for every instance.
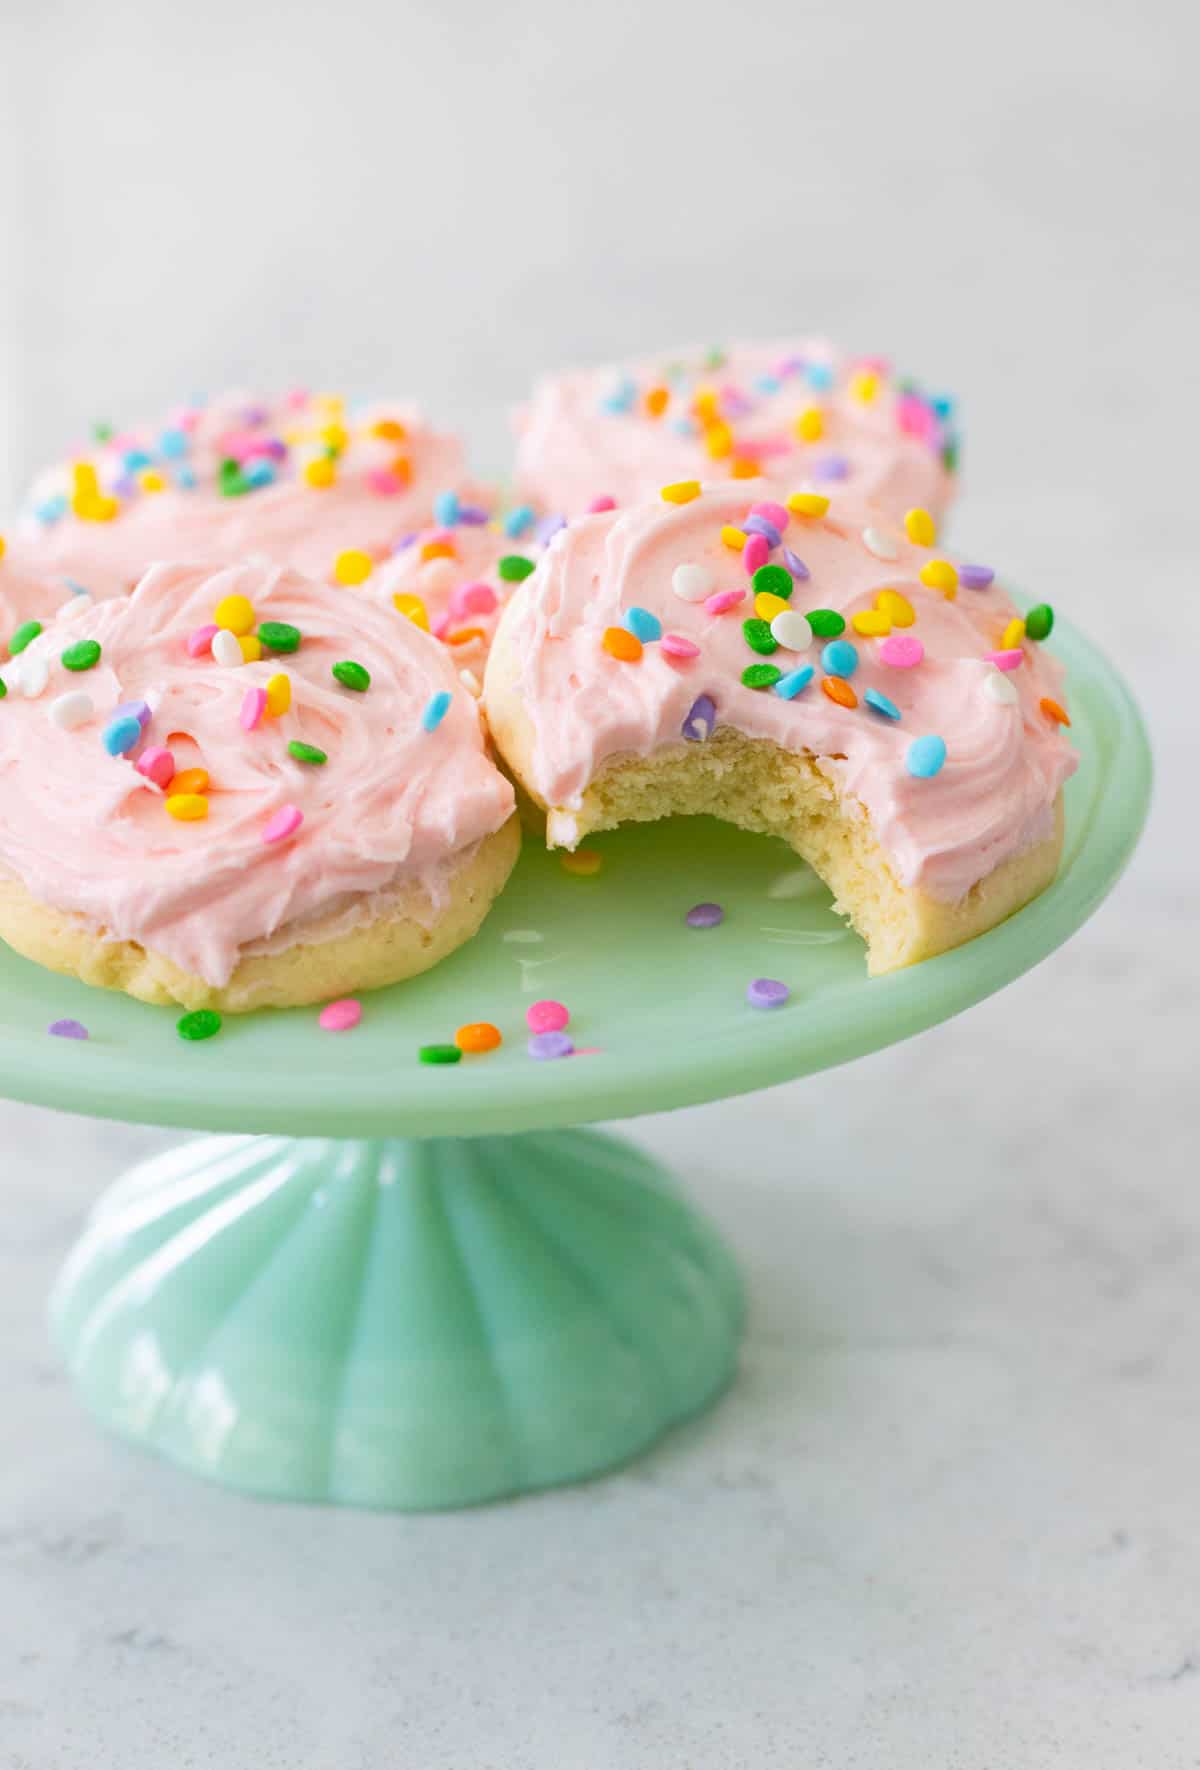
(445, 509)
(620, 398)
(76, 589)
(839, 658)
(51, 509)
(684, 426)
(795, 564)
(819, 377)
(260, 472)
(436, 711)
(924, 756)
(881, 704)
(767, 384)
(943, 405)
(795, 682)
(121, 735)
(173, 444)
(758, 525)
(186, 477)
(642, 624)
(135, 459)
(517, 521)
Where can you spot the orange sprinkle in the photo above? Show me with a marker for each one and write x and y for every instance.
(619, 643)
(657, 401)
(584, 862)
(189, 781)
(741, 467)
(839, 690)
(402, 468)
(1052, 710)
(478, 1035)
(438, 550)
(389, 430)
(464, 636)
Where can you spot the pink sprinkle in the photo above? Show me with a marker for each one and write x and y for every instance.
(157, 764)
(384, 483)
(902, 651)
(678, 645)
(473, 599)
(254, 705)
(542, 1017)
(723, 599)
(771, 512)
(296, 397)
(1006, 660)
(756, 552)
(285, 823)
(340, 1016)
(201, 640)
(442, 626)
(603, 502)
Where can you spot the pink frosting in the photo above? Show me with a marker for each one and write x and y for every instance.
(573, 445)
(369, 505)
(463, 594)
(25, 594)
(1005, 762)
(87, 832)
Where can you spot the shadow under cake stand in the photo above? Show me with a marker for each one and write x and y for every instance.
(416, 1286)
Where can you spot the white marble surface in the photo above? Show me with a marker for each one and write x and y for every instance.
(949, 1519)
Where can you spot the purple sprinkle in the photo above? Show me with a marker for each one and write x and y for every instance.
(795, 564)
(831, 467)
(758, 525)
(975, 577)
(791, 365)
(546, 530)
(546, 1045)
(701, 717)
(705, 915)
(253, 416)
(139, 710)
(68, 1029)
(734, 404)
(474, 515)
(765, 992)
(125, 485)
(403, 542)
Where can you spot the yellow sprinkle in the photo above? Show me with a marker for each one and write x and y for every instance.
(236, 613)
(251, 646)
(334, 436)
(92, 507)
(705, 403)
(920, 528)
(389, 430)
(808, 503)
(810, 425)
(83, 479)
(3, 545)
(1014, 633)
(352, 566)
(585, 862)
(718, 440)
(939, 574)
(681, 491)
(898, 609)
(189, 808)
(733, 537)
(767, 605)
(741, 467)
(279, 695)
(872, 623)
(332, 403)
(413, 607)
(320, 472)
(864, 385)
(151, 480)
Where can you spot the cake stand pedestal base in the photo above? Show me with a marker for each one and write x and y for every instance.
(398, 1324)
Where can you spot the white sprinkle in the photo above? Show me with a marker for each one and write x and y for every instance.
(70, 710)
(225, 648)
(1000, 687)
(470, 682)
(692, 583)
(791, 630)
(881, 545)
(35, 674)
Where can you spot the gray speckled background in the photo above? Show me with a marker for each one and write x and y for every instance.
(950, 1517)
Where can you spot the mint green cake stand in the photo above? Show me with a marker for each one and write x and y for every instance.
(415, 1287)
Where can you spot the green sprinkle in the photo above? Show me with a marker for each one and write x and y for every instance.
(760, 676)
(826, 623)
(774, 579)
(759, 637)
(83, 656)
(102, 432)
(715, 358)
(950, 456)
(278, 636)
(352, 675)
(201, 1023)
(1039, 622)
(3, 688)
(440, 1054)
(231, 481)
(306, 752)
(25, 635)
(513, 567)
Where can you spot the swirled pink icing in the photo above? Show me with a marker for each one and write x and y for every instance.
(590, 431)
(453, 573)
(1005, 760)
(86, 832)
(25, 595)
(382, 486)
